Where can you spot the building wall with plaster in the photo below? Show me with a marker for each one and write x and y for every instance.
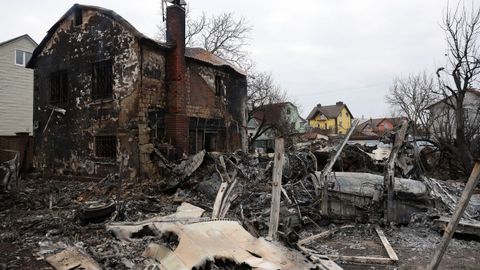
(66, 145)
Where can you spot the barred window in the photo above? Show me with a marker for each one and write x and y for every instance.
(106, 146)
(102, 80)
(58, 87)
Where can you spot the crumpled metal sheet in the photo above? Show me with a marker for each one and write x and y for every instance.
(202, 240)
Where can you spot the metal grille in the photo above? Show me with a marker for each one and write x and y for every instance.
(102, 80)
(58, 87)
(106, 146)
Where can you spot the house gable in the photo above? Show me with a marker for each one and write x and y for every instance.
(16, 86)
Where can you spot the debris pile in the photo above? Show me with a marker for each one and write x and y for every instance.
(321, 206)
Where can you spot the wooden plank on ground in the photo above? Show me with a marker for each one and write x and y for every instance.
(361, 259)
(321, 235)
(386, 244)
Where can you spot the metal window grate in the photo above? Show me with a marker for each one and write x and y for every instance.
(102, 80)
(106, 146)
(58, 87)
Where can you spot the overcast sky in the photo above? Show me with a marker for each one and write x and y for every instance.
(320, 51)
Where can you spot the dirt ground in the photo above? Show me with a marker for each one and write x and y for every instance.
(39, 217)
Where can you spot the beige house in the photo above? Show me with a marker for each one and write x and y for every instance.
(16, 85)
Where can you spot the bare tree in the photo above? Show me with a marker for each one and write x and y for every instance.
(410, 97)
(462, 28)
(227, 37)
(262, 91)
(223, 35)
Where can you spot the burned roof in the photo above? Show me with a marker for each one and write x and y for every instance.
(197, 54)
(330, 111)
(205, 56)
(107, 12)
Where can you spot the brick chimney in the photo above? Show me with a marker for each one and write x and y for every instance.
(339, 103)
(319, 105)
(175, 21)
(176, 119)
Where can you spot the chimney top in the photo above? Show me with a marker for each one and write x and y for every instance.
(339, 103)
(177, 2)
(319, 105)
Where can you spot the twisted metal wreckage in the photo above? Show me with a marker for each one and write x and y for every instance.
(189, 240)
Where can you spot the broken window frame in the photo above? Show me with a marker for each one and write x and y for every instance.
(102, 80)
(219, 87)
(78, 17)
(156, 123)
(105, 146)
(58, 87)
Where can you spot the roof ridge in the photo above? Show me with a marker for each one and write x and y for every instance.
(15, 38)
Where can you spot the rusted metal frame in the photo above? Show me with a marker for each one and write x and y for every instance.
(457, 215)
(326, 175)
(389, 177)
(276, 188)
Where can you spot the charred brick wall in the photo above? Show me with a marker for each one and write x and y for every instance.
(151, 107)
(204, 103)
(66, 145)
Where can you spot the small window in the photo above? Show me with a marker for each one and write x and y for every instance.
(22, 57)
(102, 80)
(219, 87)
(106, 146)
(58, 87)
(325, 125)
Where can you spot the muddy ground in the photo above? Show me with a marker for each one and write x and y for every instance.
(39, 217)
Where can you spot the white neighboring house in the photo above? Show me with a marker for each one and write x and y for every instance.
(16, 85)
(444, 116)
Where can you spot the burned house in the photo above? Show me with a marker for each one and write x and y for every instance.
(105, 94)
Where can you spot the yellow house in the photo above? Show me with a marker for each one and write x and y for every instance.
(335, 119)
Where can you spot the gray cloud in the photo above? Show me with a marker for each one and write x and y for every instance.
(319, 51)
